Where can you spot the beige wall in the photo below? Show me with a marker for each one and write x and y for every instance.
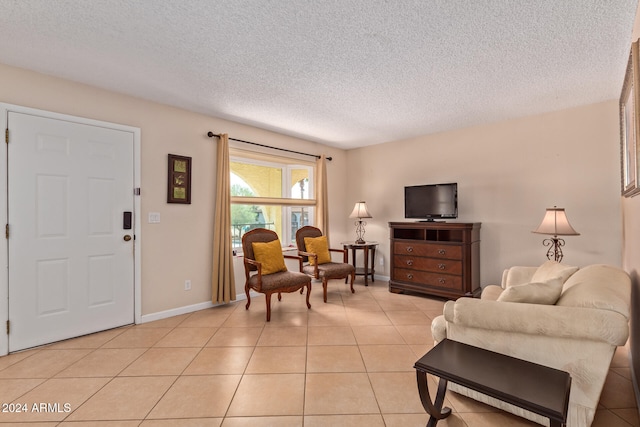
(180, 247)
(507, 174)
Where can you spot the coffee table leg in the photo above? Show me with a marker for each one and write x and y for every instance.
(435, 409)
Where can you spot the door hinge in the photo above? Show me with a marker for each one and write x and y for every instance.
(136, 191)
(8, 326)
(6, 135)
(6, 231)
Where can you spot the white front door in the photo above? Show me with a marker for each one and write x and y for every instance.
(71, 271)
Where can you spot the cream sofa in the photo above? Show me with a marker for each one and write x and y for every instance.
(578, 333)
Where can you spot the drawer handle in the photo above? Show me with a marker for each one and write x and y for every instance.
(442, 266)
(409, 276)
(442, 252)
(410, 249)
(410, 262)
(441, 281)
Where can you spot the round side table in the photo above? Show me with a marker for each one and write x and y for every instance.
(369, 249)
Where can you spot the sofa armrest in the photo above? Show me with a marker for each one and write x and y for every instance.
(536, 319)
(439, 329)
(517, 275)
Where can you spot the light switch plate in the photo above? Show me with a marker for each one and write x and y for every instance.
(154, 217)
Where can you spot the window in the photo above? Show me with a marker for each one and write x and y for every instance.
(271, 192)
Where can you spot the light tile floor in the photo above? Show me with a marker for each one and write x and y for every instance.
(348, 362)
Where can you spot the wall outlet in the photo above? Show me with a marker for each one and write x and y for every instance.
(381, 261)
(187, 285)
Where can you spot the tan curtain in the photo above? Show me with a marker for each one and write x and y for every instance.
(322, 198)
(223, 288)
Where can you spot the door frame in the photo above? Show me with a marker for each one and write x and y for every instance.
(5, 109)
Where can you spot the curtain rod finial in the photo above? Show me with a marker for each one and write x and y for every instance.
(211, 134)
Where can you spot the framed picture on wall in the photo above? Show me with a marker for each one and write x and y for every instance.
(629, 128)
(179, 174)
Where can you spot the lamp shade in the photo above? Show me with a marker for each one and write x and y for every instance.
(360, 211)
(555, 223)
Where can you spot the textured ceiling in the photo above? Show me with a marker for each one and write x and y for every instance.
(345, 73)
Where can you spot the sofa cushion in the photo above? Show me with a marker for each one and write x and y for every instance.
(598, 286)
(517, 275)
(553, 269)
(491, 292)
(534, 293)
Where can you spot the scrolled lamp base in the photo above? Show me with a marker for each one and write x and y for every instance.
(555, 248)
(360, 231)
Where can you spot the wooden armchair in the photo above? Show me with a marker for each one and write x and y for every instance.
(263, 255)
(316, 252)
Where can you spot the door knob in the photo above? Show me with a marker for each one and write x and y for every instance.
(127, 237)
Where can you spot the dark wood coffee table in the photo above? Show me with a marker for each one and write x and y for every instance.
(536, 388)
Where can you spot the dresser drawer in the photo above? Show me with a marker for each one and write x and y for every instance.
(437, 265)
(427, 278)
(433, 250)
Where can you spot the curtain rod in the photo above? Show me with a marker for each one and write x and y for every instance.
(211, 135)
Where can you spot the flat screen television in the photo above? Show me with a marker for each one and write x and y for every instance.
(432, 201)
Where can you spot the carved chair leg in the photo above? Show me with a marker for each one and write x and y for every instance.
(246, 290)
(279, 296)
(308, 294)
(353, 276)
(267, 298)
(324, 288)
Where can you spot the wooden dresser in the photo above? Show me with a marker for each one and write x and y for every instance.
(435, 258)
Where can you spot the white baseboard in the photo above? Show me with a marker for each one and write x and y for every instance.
(184, 310)
(208, 304)
(382, 278)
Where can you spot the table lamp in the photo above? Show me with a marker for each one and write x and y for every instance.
(360, 211)
(555, 223)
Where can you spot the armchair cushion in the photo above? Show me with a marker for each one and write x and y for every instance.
(279, 280)
(330, 270)
(269, 254)
(318, 246)
(534, 293)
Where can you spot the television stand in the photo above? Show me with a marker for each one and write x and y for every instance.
(435, 258)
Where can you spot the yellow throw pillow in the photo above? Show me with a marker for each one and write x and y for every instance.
(269, 254)
(318, 246)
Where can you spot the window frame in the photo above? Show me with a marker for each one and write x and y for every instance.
(287, 165)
